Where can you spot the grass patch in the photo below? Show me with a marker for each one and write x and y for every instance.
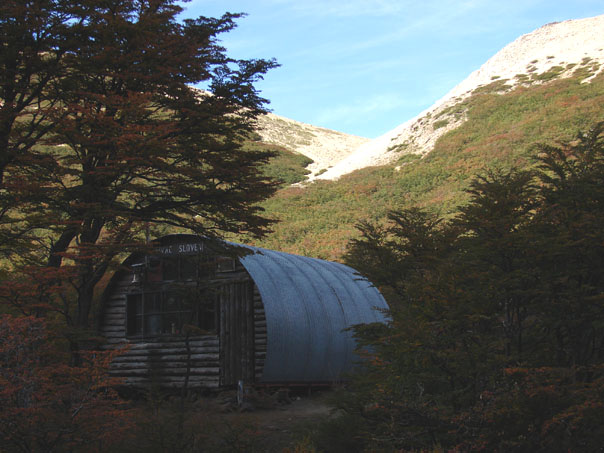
(287, 166)
(408, 158)
(493, 87)
(550, 74)
(399, 148)
(440, 123)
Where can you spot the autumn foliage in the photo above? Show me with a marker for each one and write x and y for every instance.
(104, 142)
(48, 405)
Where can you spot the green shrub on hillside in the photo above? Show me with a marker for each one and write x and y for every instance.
(550, 74)
(440, 123)
(499, 133)
(287, 166)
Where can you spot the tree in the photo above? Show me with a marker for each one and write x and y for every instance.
(34, 37)
(499, 250)
(46, 405)
(398, 396)
(104, 141)
(552, 399)
(569, 225)
(496, 339)
(135, 146)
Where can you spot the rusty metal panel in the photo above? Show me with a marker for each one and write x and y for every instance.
(308, 303)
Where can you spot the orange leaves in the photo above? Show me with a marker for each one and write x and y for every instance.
(47, 404)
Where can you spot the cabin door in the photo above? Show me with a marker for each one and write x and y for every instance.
(236, 333)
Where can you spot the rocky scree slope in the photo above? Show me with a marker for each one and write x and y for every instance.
(324, 146)
(554, 50)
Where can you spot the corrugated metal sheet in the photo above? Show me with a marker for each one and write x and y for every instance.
(308, 302)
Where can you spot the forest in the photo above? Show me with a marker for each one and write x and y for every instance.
(496, 340)
(496, 332)
(105, 143)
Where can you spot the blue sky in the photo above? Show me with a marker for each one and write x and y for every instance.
(365, 66)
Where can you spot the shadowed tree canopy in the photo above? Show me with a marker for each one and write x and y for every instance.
(118, 140)
(496, 340)
(34, 37)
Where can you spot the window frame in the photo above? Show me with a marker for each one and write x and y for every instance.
(203, 314)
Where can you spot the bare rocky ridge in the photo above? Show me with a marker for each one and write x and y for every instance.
(558, 47)
(324, 146)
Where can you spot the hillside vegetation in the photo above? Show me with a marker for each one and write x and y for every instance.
(496, 340)
(501, 130)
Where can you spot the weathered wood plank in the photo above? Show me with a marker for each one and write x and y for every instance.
(175, 338)
(166, 351)
(112, 343)
(126, 357)
(176, 379)
(111, 318)
(167, 365)
(193, 383)
(119, 297)
(112, 337)
(177, 372)
(114, 328)
(173, 344)
(138, 344)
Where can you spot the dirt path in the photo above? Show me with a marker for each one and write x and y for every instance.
(273, 424)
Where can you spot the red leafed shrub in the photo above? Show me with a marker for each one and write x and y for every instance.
(48, 405)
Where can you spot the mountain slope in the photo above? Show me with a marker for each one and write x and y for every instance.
(554, 50)
(500, 133)
(324, 146)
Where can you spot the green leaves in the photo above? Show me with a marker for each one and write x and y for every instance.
(117, 140)
(497, 333)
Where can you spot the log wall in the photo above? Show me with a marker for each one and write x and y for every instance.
(163, 360)
(260, 334)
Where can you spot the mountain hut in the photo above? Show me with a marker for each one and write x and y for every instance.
(216, 314)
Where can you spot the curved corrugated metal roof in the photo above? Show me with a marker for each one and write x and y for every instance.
(308, 303)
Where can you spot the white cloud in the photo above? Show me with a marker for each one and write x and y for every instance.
(341, 8)
(359, 108)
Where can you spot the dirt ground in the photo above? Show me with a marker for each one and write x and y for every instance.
(273, 421)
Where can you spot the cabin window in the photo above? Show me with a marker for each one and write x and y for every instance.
(169, 267)
(224, 264)
(167, 298)
(187, 267)
(167, 312)
(154, 269)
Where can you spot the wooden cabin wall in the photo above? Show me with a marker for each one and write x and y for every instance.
(161, 360)
(256, 323)
(260, 334)
(164, 361)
